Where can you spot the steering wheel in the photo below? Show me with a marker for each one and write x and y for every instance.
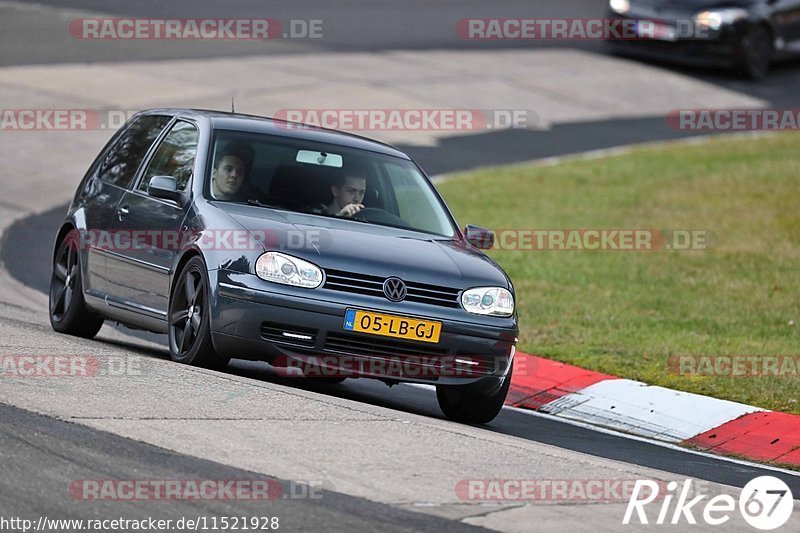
(380, 216)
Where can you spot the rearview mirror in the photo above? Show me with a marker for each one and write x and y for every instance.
(479, 237)
(165, 187)
(325, 159)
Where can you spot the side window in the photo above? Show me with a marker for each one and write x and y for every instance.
(120, 164)
(175, 156)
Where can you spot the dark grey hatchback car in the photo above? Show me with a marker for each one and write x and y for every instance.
(325, 254)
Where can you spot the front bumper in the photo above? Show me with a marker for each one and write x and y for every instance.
(720, 49)
(250, 318)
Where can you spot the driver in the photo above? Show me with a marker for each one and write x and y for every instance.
(231, 168)
(348, 193)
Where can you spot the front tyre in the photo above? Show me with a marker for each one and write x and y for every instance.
(757, 49)
(190, 318)
(68, 313)
(461, 406)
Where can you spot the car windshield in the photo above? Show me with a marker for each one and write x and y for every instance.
(325, 180)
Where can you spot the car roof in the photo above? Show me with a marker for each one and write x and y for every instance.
(252, 123)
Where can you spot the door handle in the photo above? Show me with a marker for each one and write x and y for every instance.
(122, 212)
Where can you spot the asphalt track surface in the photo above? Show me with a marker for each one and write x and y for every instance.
(67, 451)
(348, 25)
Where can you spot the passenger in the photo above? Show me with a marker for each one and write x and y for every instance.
(348, 193)
(231, 169)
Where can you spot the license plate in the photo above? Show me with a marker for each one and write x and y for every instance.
(655, 30)
(392, 326)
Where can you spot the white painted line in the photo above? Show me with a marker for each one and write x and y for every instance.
(620, 434)
(667, 445)
(649, 411)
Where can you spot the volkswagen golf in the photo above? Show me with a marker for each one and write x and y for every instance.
(326, 254)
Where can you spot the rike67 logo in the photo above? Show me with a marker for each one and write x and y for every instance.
(766, 503)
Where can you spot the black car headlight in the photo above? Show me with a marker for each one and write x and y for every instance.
(714, 19)
(289, 270)
(619, 6)
(493, 301)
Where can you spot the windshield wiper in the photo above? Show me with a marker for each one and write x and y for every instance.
(259, 203)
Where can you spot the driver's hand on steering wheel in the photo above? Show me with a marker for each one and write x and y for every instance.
(350, 210)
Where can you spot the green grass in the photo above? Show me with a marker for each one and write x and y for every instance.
(625, 312)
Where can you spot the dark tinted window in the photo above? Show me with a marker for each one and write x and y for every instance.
(175, 156)
(120, 164)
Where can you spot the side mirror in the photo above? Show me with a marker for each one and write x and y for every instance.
(165, 187)
(479, 237)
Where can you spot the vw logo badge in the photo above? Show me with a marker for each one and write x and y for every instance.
(394, 289)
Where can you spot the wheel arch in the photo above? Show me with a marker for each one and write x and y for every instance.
(184, 258)
(66, 228)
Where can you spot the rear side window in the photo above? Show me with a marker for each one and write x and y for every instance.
(175, 156)
(120, 164)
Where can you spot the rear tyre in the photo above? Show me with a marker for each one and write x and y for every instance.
(68, 313)
(459, 405)
(190, 320)
(757, 49)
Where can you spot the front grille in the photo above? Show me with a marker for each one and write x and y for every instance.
(352, 282)
(294, 335)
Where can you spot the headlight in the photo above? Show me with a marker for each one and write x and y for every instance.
(715, 19)
(493, 301)
(620, 6)
(282, 268)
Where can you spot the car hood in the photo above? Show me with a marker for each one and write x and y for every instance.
(370, 249)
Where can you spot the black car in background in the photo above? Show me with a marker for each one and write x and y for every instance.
(218, 229)
(744, 35)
